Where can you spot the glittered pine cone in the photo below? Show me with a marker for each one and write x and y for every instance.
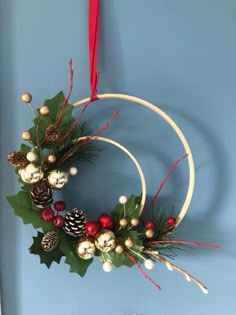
(41, 194)
(17, 159)
(52, 132)
(74, 224)
(50, 241)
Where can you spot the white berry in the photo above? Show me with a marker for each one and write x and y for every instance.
(149, 264)
(123, 200)
(31, 156)
(107, 266)
(73, 171)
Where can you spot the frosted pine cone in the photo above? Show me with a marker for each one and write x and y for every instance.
(41, 194)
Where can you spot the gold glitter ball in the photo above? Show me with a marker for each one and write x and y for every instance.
(44, 110)
(26, 97)
(149, 233)
(26, 135)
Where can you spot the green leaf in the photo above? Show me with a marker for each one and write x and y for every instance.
(118, 260)
(129, 210)
(46, 258)
(77, 265)
(25, 148)
(22, 205)
(42, 122)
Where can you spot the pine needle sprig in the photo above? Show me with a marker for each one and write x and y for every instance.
(88, 151)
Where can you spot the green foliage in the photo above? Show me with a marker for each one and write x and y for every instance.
(25, 148)
(46, 258)
(22, 205)
(41, 123)
(77, 265)
(129, 210)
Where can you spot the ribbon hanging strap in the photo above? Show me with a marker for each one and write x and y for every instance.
(93, 44)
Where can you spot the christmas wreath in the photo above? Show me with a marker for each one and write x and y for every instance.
(123, 237)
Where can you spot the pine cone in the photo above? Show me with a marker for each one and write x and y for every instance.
(41, 194)
(75, 223)
(52, 133)
(18, 159)
(50, 241)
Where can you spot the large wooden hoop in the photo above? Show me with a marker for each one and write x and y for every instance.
(139, 169)
(174, 126)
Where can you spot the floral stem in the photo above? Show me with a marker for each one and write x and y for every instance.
(59, 118)
(145, 275)
(184, 242)
(173, 165)
(171, 267)
(86, 139)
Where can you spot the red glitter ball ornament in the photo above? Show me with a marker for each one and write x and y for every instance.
(93, 228)
(47, 214)
(106, 221)
(149, 225)
(58, 221)
(171, 220)
(59, 205)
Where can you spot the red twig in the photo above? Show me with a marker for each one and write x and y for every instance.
(106, 126)
(145, 275)
(185, 242)
(83, 142)
(162, 184)
(59, 118)
(76, 121)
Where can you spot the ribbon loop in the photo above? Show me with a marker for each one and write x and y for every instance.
(93, 45)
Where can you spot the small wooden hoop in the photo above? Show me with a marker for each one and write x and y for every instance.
(140, 171)
(175, 127)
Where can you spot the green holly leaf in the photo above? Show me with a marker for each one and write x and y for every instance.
(77, 265)
(129, 210)
(22, 205)
(25, 148)
(118, 260)
(42, 122)
(46, 258)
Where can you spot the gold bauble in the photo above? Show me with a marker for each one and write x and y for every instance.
(123, 222)
(26, 97)
(85, 249)
(31, 173)
(129, 243)
(52, 158)
(106, 241)
(134, 221)
(57, 179)
(44, 110)
(119, 249)
(26, 135)
(149, 233)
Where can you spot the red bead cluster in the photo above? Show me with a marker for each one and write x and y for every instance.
(48, 214)
(105, 221)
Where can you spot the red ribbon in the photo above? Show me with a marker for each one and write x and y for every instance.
(93, 44)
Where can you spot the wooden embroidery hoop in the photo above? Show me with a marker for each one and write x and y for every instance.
(177, 130)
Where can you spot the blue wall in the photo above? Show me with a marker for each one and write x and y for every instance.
(177, 54)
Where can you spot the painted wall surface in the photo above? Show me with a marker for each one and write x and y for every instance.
(180, 55)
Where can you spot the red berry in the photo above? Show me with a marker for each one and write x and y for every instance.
(47, 214)
(58, 221)
(59, 205)
(171, 220)
(149, 225)
(92, 228)
(106, 221)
